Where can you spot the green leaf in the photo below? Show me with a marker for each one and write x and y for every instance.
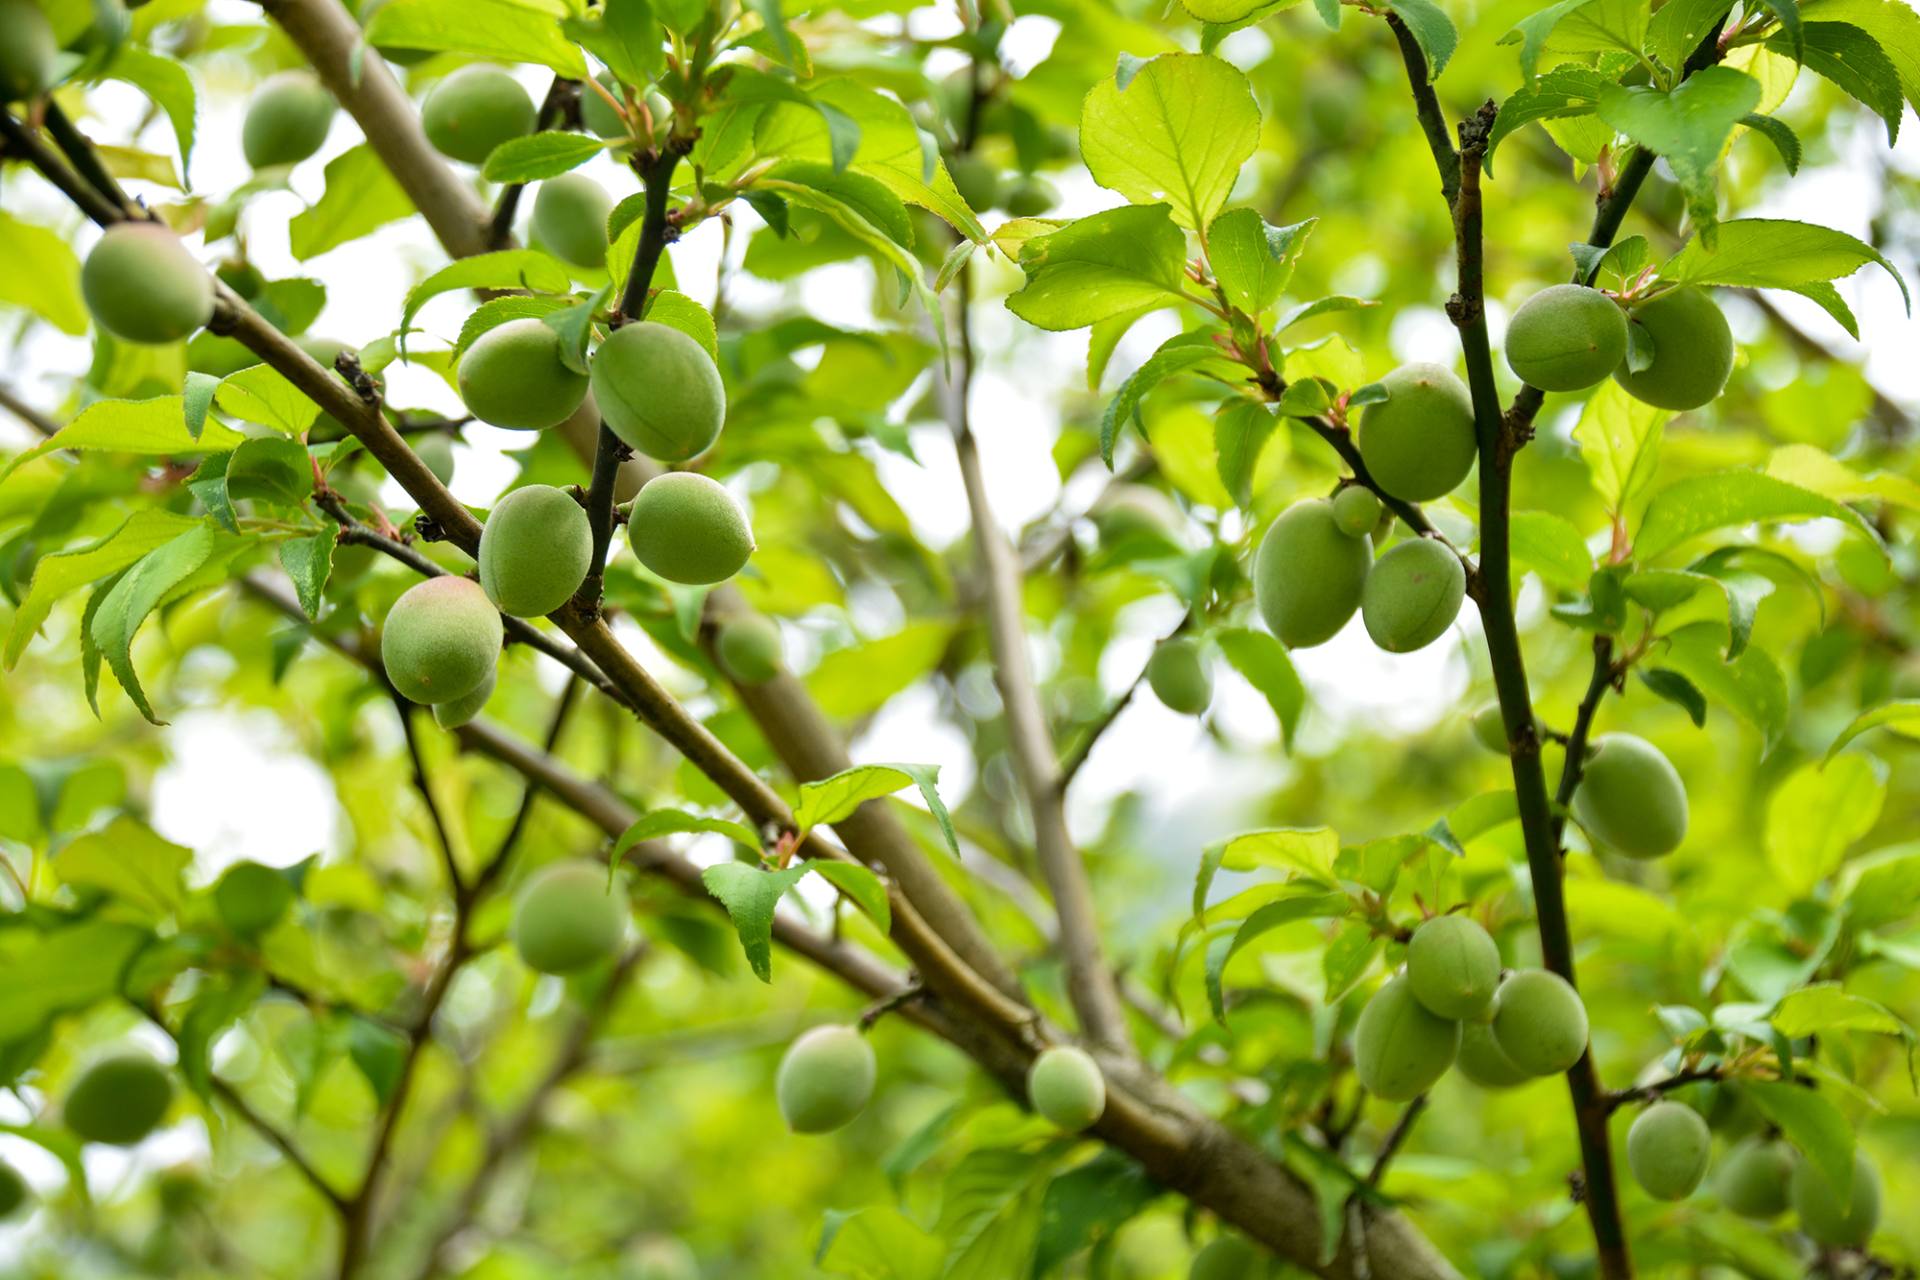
(126, 859)
(495, 312)
(1687, 127)
(539, 156)
(1679, 26)
(865, 195)
(877, 1243)
(1620, 439)
(1177, 131)
(1700, 504)
(1560, 94)
(859, 884)
(625, 35)
(1903, 717)
(261, 394)
(1810, 1121)
(502, 29)
(1432, 30)
(1252, 259)
(1892, 23)
(504, 269)
(136, 595)
(1304, 311)
(1087, 1206)
(1306, 905)
(1263, 660)
(1679, 690)
(1825, 1007)
(149, 428)
(1817, 813)
(669, 822)
(380, 1052)
(1781, 135)
(1550, 546)
(1579, 26)
(1855, 63)
(1752, 685)
(42, 274)
(270, 469)
(1774, 253)
(750, 896)
(1308, 851)
(1240, 434)
(62, 971)
(167, 84)
(216, 1006)
(1532, 32)
(924, 777)
(1346, 961)
(677, 311)
(361, 195)
(1124, 260)
(56, 575)
(990, 1213)
(833, 798)
(309, 562)
(1180, 352)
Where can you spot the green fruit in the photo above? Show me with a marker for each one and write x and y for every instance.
(977, 181)
(1134, 511)
(1399, 1048)
(688, 529)
(1692, 351)
(596, 114)
(287, 121)
(13, 1190)
(1631, 798)
(1030, 197)
(1667, 1149)
(142, 285)
(1308, 574)
(1066, 1088)
(1490, 729)
(1566, 338)
(462, 710)
(1356, 509)
(825, 1079)
(748, 646)
(436, 450)
(1823, 1217)
(659, 391)
(1412, 595)
(1752, 1181)
(512, 377)
(567, 918)
(474, 110)
(570, 219)
(29, 51)
(1482, 1061)
(1226, 1258)
(1453, 967)
(440, 640)
(118, 1100)
(662, 1258)
(1419, 443)
(1178, 676)
(251, 898)
(1539, 1022)
(535, 550)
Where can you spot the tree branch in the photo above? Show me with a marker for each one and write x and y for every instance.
(1395, 1138)
(552, 107)
(23, 142)
(1574, 765)
(85, 160)
(455, 882)
(1426, 106)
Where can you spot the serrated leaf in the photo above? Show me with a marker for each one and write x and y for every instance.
(1252, 259)
(309, 562)
(58, 574)
(136, 595)
(1177, 131)
(1432, 30)
(668, 822)
(128, 860)
(1552, 547)
(1807, 1119)
(539, 156)
(1263, 661)
(1894, 24)
(500, 29)
(1180, 352)
(495, 312)
(166, 83)
(361, 196)
(149, 428)
(1620, 439)
(1687, 126)
(1306, 905)
(270, 469)
(1903, 717)
(860, 885)
(1825, 1007)
(262, 395)
(1123, 261)
(1240, 434)
(1562, 93)
(1774, 253)
(1700, 504)
(1752, 686)
(832, 798)
(504, 269)
(1781, 135)
(750, 896)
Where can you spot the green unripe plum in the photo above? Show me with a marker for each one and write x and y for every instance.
(474, 110)
(1419, 443)
(1631, 798)
(142, 285)
(462, 710)
(1482, 1060)
(251, 898)
(595, 113)
(1356, 509)
(1308, 574)
(1412, 595)
(1399, 1047)
(118, 1100)
(535, 550)
(567, 918)
(1823, 1216)
(1692, 351)
(440, 640)
(1134, 511)
(1668, 1147)
(659, 391)
(436, 450)
(1753, 1179)
(977, 181)
(1178, 675)
(688, 529)
(1066, 1088)
(570, 219)
(29, 51)
(287, 121)
(13, 1191)
(1031, 197)
(1490, 729)
(1226, 1258)
(662, 1258)
(1539, 1022)
(1566, 338)
(749, 648)
(825, 1079)
(1453, 967)
(512, 376)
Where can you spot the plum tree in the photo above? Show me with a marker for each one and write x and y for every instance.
(688, 529)
(251, 898)
(977, 181)
(1539, 1022)
(1825, 1215)
(1419, 443)
(13, 1191)
(1566, 338)
(462, 710)
(118, 1100)
(474, 110)
(1308, 574)
(1453, 967)
(1177, 673)
(659, 391)
(1066, 1088)
(1030, 197)
(535, 550)
(512, 376)
(1412, 595)
(1399, 1047)
(143, 286)
(1752, 1180)
(567, 918)
(1226, 1257)
(749, 648)
(570, 219)
(1692, 350)
(287, 121)
(1631, 798)
(825, 1079)
(1482, 1060)
(440, 640)
(1356, 509)
(1668, 1146)
(29, 51)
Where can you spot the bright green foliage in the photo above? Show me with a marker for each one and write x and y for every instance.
(252, 898)
(749, 648)
(512, 376)
(1356, 509)
(570, 219)
(1031, 197)
(535, 550)
(1177, 673)
(1752, 1179)
(977, 181)
(1539, 1022)
(474, 110)
(1692, 350)
(1453, 967)
(14, 1191)
(440, 640)
(688, 529)
(1065, 1086)
(1419, 443)
(567, 918)
(464, 709)
(28, 50)
(1566, 338)
(287, 121)
(142, 285)
(1631, 798)
(1399, 1048)
(1668, 1148)
(1483, 1061)
(825, 1079)
(118, 1100)
(1412, 595)
(659, 391)
(1824, 1215)
(1226, 1257)
(1308, 574)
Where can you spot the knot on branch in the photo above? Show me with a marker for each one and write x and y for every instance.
(1464, 310)
(428, 528)
(1477, 128)
(347, 364)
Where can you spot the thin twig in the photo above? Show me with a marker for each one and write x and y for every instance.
(23, 142)
(500, 227)
(562, 710)
(85, 160)
(1574, 765)
(1395, 1138)
(424, 785)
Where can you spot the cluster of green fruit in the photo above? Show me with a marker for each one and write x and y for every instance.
(1569, 338)
(32, 59)
(1630, 799)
